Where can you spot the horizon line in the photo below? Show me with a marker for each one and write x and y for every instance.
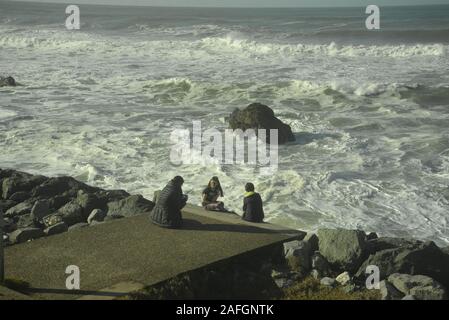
(221, 7)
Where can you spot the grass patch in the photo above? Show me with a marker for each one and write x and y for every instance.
(311, 289)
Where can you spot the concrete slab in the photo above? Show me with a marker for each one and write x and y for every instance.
(133, 250)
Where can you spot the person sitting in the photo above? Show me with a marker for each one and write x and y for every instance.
(252, 205)
(210, 196)
(167, 211)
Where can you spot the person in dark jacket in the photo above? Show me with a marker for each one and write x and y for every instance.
(167, 211)
(252, 205)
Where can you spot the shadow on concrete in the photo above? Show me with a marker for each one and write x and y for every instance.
(189, 224)
(74, 292)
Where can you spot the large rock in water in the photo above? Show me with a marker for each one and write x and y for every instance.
(421, 287)
(258, 116)
(419, 258)
(7, 82)
(345, 250)
(132, 205)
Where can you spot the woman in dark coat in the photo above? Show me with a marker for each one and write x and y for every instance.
(252, 205)
(167, 211)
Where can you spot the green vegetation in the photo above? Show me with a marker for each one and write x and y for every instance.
(311, 289)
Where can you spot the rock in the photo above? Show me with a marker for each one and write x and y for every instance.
(7, 82)
(23, 235)
(371, 236)
(329, 282)
(57, 202)
(415, 259)
(445, 250)
(409, 297)
(315, 274)
(389, 292)
(89, 202)
(20, 196)
(343, 249)
(350, 288)
(343, 278)
(312, 240)
(72, 213)
(132, 205)
(40, 209)
(78, 226)
(25, 221)
(283, 283)
(20, 181)
(297, 254)
(57, 228)
(61, 186)
(6, 204)
(384, 243)
(421, 287)
(320, 263)
(258, 116)
(20, 209)
(106, 196)
(9, 225)
(96, 215)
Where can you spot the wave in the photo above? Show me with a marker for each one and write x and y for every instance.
(234, 43)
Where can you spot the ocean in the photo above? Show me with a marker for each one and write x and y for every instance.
(369, 108)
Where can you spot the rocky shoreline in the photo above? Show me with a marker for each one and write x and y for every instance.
(341, 260)
(35, 206)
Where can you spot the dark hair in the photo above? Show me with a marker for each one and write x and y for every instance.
(249, 187)
(214, 178)
(178, 180)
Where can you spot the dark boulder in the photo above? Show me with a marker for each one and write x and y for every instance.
(258, 116)
(19, 209)
(133, 205)
(23, 235)
(61, 186)
(6, 204)
(107, 196)
(384, 243)
(7, 82)
(20, 196)
(57, 228)
(420, 258)
(71, 213)
(20, 181)
(89, 202)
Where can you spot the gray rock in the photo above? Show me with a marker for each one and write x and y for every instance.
(389, 292)
(343, 278)
(384, 243)
(20, 209)
(89, 202)
(41, 208)
(312, 240)
(106, 196)
(78, 226)
(23, 235)
(350, 288)
(57, 228)
(445, 250)
(297, 254)
(72, 213)
(20, 181)
(133, 205)
(61, 186)
(320, 263)
(329, 282)
(343, 249)
(315, 274)
(7, 82)
(52, 219)
(6, 204)
(421, 287)
(409, 297)
(259, 116)
(96, 215)
(419, 258)
(96, 223)
(20, 196)
(9, 225)
(371, 236)
(24, 221)
(283, 283)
